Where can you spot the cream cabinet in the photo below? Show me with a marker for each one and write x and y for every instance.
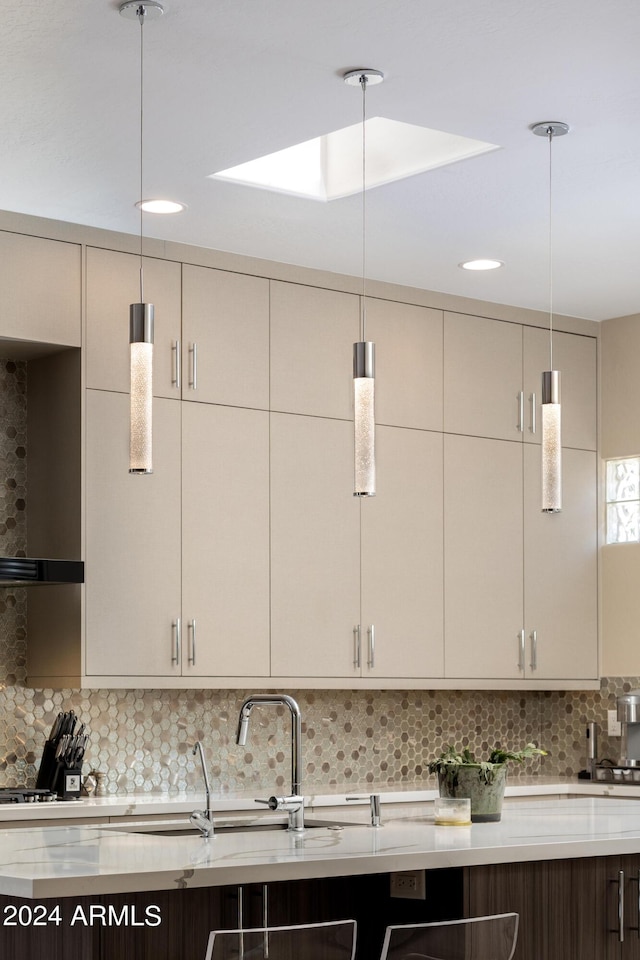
(492, 380)
(177, 563)
(356, 585)
(133, 538)
(225, 337)
(561, 572)
(312, 335)
(315, 548)
(520, 585)
(211, 339)
(41, 289)
(483, 393)
(225, 541)
(112, 283)
(575, 357)
(408, 343)
(401, 622)
(484, 560)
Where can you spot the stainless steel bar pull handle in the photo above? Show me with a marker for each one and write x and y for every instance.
(175, 630)
(265, 920)
(520, 423)
(621, 906)
(521, 650)
(533, 636)
(532, 399)
(371, 662)
(357, 647)
(175, 350)
(192, 654)
(193, 373)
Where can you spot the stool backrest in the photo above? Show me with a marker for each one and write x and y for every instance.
(313, 941)
(479, 938)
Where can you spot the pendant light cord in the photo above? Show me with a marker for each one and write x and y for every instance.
(363, 310)
(141, 17)
(550, 136)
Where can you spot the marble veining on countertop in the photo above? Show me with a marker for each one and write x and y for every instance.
(74, 860)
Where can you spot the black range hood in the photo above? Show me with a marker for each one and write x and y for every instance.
(23, 571)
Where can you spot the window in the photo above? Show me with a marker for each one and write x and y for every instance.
(623, 500)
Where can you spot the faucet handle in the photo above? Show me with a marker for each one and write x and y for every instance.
(283, 803)
(374, 805)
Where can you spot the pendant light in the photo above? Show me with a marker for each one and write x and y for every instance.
(551, 452)
(141, 314)
(364, 421)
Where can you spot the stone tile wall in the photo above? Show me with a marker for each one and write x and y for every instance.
(141, 738)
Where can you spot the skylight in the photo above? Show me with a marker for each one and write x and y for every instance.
(330, 167)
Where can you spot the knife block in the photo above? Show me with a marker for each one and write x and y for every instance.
(48, 767)
(67, 782)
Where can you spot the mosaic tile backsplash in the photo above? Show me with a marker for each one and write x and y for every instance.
(141, 738)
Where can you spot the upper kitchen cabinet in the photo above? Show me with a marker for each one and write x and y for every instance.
(492, 379)
(408, 343)
(356, 585)
(520, 585)
(225, 349)
(483, 394)
(225, 541)
(41, 290)
(312, 336)
(575, 357)
(315, 548)
(133, 556)
(113, 282)
(561, 571)
(483, 558)
(401, 617)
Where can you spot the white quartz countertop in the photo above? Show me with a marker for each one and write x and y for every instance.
(156, 804)
(84, 860)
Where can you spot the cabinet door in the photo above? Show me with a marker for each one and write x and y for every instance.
(41, 289)
(113, 282)
(520, 888)
(483, 557)
(312, 337)
(483, 377)
(402, 558)
(132, 542)
(561, 570)
(408, 343)
(575, 357)
(225, 540)
(226, 318)
(315, 548)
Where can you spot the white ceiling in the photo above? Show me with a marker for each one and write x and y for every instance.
(229, 80)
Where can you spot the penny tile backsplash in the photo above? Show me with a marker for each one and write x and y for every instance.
(141, 738)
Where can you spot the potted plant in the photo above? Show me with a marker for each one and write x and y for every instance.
(482, 781)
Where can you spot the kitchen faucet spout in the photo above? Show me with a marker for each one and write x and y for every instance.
(203, 819)
(294, 804)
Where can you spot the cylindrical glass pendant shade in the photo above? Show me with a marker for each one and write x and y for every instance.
(364, 420)
(551, 443)
(141, 340)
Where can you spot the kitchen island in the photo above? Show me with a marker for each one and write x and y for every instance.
(565, 865)
(80, 860)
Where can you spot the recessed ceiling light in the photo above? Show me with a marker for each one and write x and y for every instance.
(161, 206)
(328, 167)
(481, 264)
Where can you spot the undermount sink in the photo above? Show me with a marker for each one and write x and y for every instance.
(259, 825)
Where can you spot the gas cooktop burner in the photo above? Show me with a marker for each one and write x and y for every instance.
(26, 795)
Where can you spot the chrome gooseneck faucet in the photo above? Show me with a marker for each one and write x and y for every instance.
(293, 804)
(203, 819)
